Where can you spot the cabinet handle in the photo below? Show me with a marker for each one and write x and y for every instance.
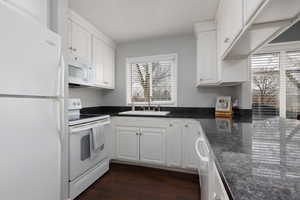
(74, 49)
(71, 48)
(105, 82)
(170, 125)
(137, 133)
(186, 126)
(76, 58)
(226, 40)
(141, 134)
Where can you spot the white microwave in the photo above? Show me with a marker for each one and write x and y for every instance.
(81, 74)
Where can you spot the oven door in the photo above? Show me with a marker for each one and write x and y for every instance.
(83, 155)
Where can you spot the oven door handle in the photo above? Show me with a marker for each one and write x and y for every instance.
(200, 141)
(84, 127)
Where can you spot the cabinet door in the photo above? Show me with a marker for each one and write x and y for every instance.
(109, 67)
(81, 41)
(38, 9)
(190, 135)
(152, 144)
(230, 22)
(174, 144)
(104, 61)
(207, 57)
(99, 59)
(250, 7)
(127, 143)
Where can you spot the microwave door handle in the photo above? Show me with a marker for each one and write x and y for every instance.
(202, 141)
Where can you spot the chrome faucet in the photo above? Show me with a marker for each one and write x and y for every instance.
(132, 104)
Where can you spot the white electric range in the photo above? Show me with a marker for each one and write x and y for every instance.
(88, 156)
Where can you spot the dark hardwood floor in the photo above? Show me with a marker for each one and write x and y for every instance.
(124, 182)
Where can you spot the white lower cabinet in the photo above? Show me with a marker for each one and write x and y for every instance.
(167, 143)
(164, 142)
(174, 144)
(191, 131)
(140, 144)
(127, 143)
(152, 144)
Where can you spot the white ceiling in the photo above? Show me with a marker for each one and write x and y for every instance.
(126, 20)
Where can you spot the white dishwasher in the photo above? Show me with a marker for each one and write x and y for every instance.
(211, 184)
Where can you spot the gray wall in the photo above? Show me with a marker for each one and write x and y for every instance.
(185, 46)
(90, 97)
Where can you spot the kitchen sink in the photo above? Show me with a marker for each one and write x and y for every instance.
(150, 113)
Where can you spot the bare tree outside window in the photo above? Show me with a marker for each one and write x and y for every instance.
(152, 82)
(265, 85)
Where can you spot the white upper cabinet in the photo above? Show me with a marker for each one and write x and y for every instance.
(98, 59)
(104, 62)
(207, 72)
(229, 23)
(211, 69)
(250, 8)
(152, 145)
(244, 26)
(80, 43)
(91, 47)
(38, 9)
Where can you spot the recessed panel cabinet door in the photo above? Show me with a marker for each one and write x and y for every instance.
(127, 143)
(152, 144)
(207, 71)
(38, 9)
(81, 43)
(190, 135)
(99, 59)
(104, 61)
(174, 144)
(230, 22)
(108, 78)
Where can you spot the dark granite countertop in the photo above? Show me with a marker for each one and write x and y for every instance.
(192, 113)
(260, 160)
(257, 159)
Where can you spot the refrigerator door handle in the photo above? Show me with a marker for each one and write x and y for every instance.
(61, 79)
(59, 123)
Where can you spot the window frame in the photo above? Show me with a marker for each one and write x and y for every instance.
(281, 48)
(153, 58)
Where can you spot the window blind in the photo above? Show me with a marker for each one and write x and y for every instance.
(292, 71)
(152, 81)
(272, 145)
(265, 84)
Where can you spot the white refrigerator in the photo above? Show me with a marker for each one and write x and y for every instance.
(31, 114)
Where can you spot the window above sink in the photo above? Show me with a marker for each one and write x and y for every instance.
(152, 79)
